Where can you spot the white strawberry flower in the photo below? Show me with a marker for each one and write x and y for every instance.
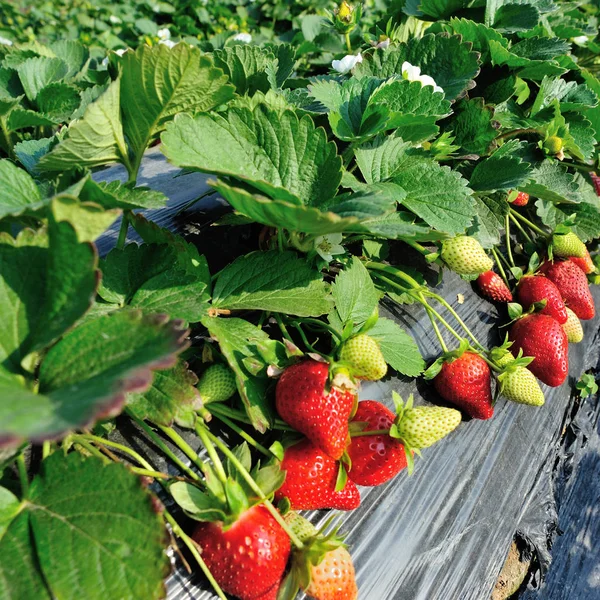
(347, 63)
(168, 43)
(164, 34)
(327, 246)
(114, 20)
(118, 52)
(5, 42)
(245, 38)
(413, 73)
(581, 40)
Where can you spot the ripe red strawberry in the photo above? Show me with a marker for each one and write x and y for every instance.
(375, 458)
(585, 262)
(304, 403)
(492, 286)
(572, 285)
(596, 181)
(535, 288)
(249, 558)
(466, 382)
(522, 199)
(311, 478)
(333, 578)
(543, 338)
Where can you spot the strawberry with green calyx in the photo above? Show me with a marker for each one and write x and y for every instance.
(313, 480)
(363, 357)
(465, 255)
(572, 285)
(533, 289)
(314, 400)
(419, 427)
(463, 378)
(573, 328)
(217, 384)
(377, 457)
(553, 145)
(243, 545)
(517, 198)
(517, 382)
(543, 338)
(493, 287)
(323, 569)
(568, 244)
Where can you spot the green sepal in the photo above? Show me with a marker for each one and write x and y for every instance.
(342, 477)
(534, 263)
(515, 310)
(370, 322)
(517, 272)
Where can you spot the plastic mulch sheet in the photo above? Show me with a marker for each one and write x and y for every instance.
(444, 532)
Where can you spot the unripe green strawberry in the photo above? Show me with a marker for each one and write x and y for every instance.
(568, 245)
(520, 385)
(465, 256)
(573, 327)
(364, 358)
(302, 527)
(553, 145)
(423, 426)
(217, 384)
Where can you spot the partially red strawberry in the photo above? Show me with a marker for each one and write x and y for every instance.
(333, 578)
(543, 338)
(596, 182)
(375, 458)
(522, 199)
(310, 480)
(492, 286)
(535, 288)
(585, 262)
(304, 402)
(247, 559)
(572, 285)
(466, 382)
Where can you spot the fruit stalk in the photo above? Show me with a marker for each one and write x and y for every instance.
(511, 260)
(184, 447)
(202, 432)
(236, 415)
(245, 435)
(500, 267)
(527, 222)
(521, 228)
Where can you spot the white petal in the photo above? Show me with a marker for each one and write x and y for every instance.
(347, 63)
(114, 20)
(580, 39)
(168, 43)
(409, 71)
(5, 42)
(384, 44)
(246, 38)
(164, 34)
(120, 51)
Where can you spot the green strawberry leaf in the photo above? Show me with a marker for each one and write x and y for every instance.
(593, 114)
(285, 157)
(117, 195)
(29, 152)
(478, 34)
(36, 73)
(172, 397)
(272, 281)
(95, 140)
(398, 348)
(473, 126)
(430, 53)
(58, 101)
(74, 54)
(18, 192)
(68, 506)
(501, 171)
(88, 219)
(241, 340)
(47, 283)
(552, 181)
(86, 375)
(587, 217)
(527, 68)
(9, 509)
(197, 504)
(514, 17)
(183, 80)
(355, 296)
(489, 221)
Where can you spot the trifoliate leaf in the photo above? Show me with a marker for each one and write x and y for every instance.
(527, 68)
(95, 140)
(245, 65)
(489, 220)
(100, 518)
(85, 376)
(499, 173)
(283, 156)
(381, 159)
(515, 17)
(430, 53)
(398, 348)
(36, 73)
(183, 80)
(587, 217)
(239, 341)
(172, 397)
(74, 54)
(58, 101)
(478, 34)
(18, 191)
(272, 281)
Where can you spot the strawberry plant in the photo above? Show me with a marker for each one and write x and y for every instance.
(361, 157)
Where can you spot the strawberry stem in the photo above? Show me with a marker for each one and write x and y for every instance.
(22, 469)
(370, 432)
(521, 228)
(451, 310)
(500, 267)
(212, 453)
(527, 222)
(283, 328)
(438, 334)
(184, 447)
(245, 435)
(508, 241)
(89, 437)
(321, 325)
(160, 444)
(219, 409)
(123, 230)
(253, 485)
